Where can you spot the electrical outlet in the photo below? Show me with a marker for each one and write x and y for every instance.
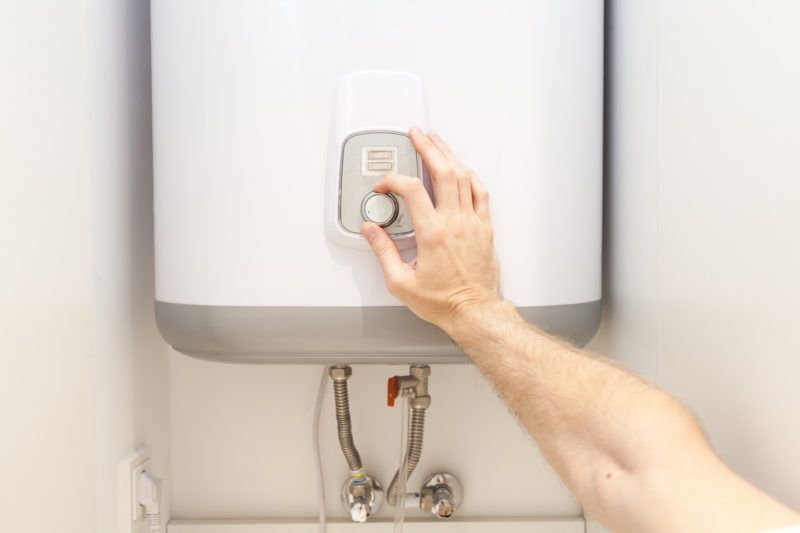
(131, 513)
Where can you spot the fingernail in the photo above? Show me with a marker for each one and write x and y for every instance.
(433, 134)
(415, 131)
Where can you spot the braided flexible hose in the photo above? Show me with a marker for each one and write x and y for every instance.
(344, 426)
(416, 430)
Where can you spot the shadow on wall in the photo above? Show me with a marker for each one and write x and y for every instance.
(132, 370)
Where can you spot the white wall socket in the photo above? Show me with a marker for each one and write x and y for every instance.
(131, 513)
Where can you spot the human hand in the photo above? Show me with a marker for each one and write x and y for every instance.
(456, 269)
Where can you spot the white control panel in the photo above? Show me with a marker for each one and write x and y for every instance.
(373, 111)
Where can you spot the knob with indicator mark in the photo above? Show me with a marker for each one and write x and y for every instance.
(380, 208)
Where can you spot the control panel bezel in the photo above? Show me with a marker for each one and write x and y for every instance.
(401, 228)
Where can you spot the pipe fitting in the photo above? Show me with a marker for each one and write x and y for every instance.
(420, 371)
(441, 495)
(414, 385)
(419, 402)
(362, 499)
(340, 373)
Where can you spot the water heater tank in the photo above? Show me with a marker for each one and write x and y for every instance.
(273, 119)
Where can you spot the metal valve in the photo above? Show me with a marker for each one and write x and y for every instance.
(362, 499)
(441, 495)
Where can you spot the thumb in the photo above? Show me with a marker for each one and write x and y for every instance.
(386, 251)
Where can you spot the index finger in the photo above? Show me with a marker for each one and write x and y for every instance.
(413, 192)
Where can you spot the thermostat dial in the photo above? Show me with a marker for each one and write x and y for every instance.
(380, 208)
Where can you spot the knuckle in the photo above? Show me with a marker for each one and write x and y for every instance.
(399, 186)
(444, 172)
(434, 235)
(395, 284)
(415, 185)
(395, 180)
(437, 170)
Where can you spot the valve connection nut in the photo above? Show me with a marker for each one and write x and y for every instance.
(420, 402)
(419, 371)
(340, 373)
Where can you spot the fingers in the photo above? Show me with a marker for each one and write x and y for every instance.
(394, 269)
(465, 190)
(463, 175)
(413, 192)
(445, 186)
(480, 199)
(442, 146)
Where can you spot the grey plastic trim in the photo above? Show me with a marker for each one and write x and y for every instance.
(419, 174)
(386, 335)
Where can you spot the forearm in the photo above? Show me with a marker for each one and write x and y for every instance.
(634, 457)
(600, 426)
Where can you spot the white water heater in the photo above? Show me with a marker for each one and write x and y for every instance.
(273, 119)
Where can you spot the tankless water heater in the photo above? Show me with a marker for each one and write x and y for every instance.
(272, 121)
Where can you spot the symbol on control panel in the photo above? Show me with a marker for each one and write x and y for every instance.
(379, 208)
(378, 160)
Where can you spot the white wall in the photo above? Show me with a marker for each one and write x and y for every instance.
(702, 250)
(630, 249)
(46, 361)
(83, 373)
(729, 181)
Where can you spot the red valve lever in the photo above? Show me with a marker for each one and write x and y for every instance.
(393, 391)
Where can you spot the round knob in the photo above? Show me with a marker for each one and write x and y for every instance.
(444, 508)
(359, 512)
(379, 208)
(441, 495)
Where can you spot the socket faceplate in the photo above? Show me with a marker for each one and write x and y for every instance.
(130, 468)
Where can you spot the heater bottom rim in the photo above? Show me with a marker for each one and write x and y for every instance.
(386, 334)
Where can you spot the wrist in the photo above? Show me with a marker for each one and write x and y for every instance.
(480, 319)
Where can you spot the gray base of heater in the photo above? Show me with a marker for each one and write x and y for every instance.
(386, 335)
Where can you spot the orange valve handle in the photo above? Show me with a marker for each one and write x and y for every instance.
(393, 391)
